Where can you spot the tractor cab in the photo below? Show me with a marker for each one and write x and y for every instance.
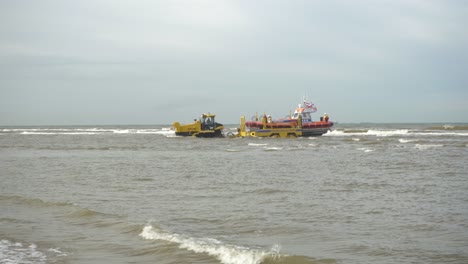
(207, 122)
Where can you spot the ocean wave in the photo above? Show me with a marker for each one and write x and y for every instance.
(34, 202)
(232, 150)
(58, 252)
(365, 150)
(440, 134)
(296, 259)
(341, 133)
(227, 254)
(391, 133)
(58, 133)
(86, 131)
(402, 140)
(169, 135)
(71, 210)
(387, 133)
(269, 191)
(449, 127)
(354, 131)
(427, 146)
(163, 131)
(272, 148)
(82, 212)
(257, 144)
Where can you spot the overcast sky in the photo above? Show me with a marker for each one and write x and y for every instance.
(92, 62)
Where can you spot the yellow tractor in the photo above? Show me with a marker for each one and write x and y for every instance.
(205, 126)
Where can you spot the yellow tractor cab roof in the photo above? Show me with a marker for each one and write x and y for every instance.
(208, 115)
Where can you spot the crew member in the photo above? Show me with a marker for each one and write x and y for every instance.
(264, 121)
(325, 116)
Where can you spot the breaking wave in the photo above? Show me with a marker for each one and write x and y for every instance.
(370, 132)
(87, 131)
(391, 133)
(273, 149)
(227, 254)
(366, 150)
(449, 127)
(402, 140)
(427, 146)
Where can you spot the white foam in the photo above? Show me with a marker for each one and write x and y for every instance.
(257, 144)
(387, 133)
(232, 150)
(273, 148)
(162, 131)
(401, 140)
(35, 129)
(90, 131)
(365, 150)
(335, 133)
(58, 133)
(166, 131)
(428, 146)
(227, 254)
(371, 132)
(356, 139)
(121, 131)
(58, 252)
(11, 252)
(441, 134)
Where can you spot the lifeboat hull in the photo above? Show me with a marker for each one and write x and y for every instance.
(287, 128)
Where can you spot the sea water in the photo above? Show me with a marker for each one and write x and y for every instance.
(362, 193)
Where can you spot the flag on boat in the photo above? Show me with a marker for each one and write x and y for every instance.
(310, 107)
